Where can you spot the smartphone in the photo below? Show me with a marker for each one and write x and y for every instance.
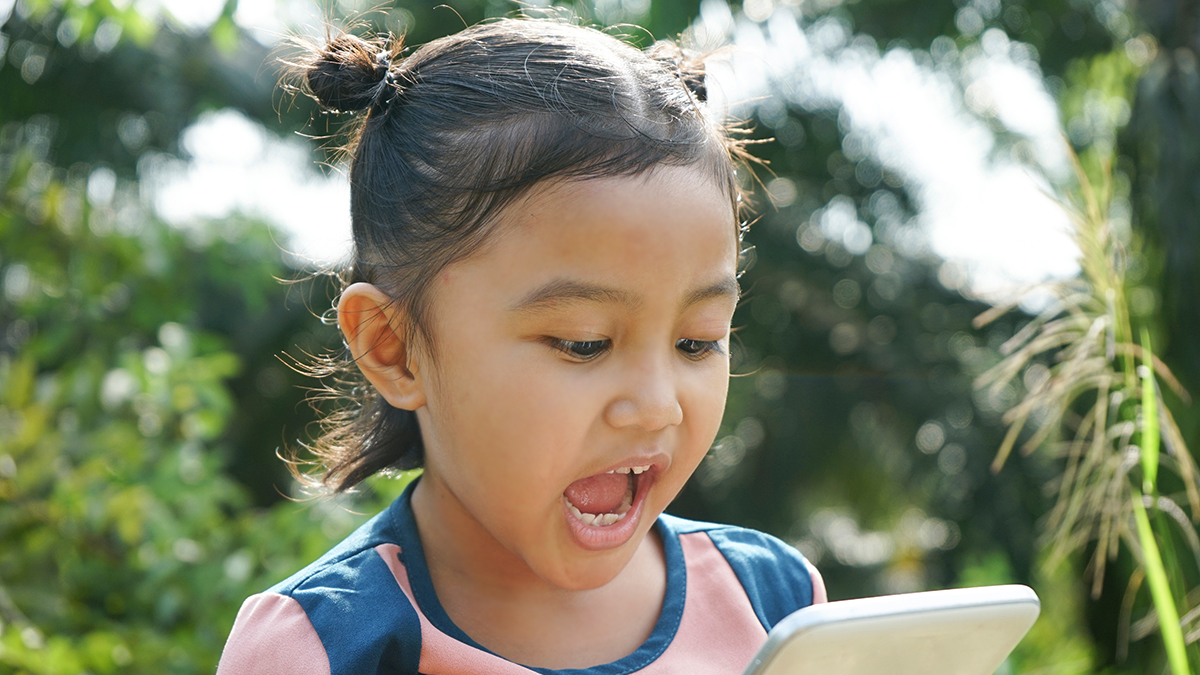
(964, 631)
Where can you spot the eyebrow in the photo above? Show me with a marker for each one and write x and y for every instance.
(725, 288)
(568, 291)
(565, 290)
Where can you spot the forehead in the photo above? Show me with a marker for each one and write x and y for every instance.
(664, 204)
(664, 233)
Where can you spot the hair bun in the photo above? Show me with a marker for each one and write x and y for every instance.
(350, 73)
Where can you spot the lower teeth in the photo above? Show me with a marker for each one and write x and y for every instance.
(599, 518)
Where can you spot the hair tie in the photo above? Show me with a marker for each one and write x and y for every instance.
(388, 82)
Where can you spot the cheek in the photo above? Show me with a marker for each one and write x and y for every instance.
(706, 401)
(507, 421)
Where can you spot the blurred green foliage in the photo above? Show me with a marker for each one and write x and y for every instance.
(142, 401)
(127, 546)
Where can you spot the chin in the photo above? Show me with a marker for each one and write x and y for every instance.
(592, 580)
(596, 569)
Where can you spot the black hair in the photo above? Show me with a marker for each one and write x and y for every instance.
(454, 132)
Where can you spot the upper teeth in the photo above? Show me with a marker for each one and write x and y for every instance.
(634, 469)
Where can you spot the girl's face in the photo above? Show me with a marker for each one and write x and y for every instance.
(587, 341)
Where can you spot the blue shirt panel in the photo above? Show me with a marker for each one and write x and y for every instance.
(363, 618)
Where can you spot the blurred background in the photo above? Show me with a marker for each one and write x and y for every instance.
(166, 212)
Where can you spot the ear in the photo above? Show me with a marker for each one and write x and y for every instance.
(375, 330)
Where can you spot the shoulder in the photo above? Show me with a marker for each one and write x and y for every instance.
(777, 578)
(344, 613)
(272, 634)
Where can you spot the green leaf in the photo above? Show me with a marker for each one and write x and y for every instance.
(1150, 430)
(225, 36)
(1160, 591)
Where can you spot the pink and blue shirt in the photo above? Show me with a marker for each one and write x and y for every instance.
(368, 606)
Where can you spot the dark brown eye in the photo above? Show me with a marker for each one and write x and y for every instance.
(584, 350)
(697, 349)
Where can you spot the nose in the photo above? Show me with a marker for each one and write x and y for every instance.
(649, 399)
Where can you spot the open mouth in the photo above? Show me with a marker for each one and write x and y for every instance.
(604, 499)
(604, 511)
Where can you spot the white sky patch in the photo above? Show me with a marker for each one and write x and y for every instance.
(194, 15)
(237, 166)
(262, 18)
(268, 21)
(980, 208)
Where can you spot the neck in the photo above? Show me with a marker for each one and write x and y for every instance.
(460, 553)
(493, 596)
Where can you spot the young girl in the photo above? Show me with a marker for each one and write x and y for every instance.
(546, 237)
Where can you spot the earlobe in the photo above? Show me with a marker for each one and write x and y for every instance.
(376, 332)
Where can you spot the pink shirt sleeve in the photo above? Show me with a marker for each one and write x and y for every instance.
(273, 636)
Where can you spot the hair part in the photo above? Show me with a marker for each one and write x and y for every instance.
(451, 134)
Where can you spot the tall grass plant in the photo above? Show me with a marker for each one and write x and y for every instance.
(1093, 400)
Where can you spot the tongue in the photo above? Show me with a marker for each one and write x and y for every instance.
(601, 493)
